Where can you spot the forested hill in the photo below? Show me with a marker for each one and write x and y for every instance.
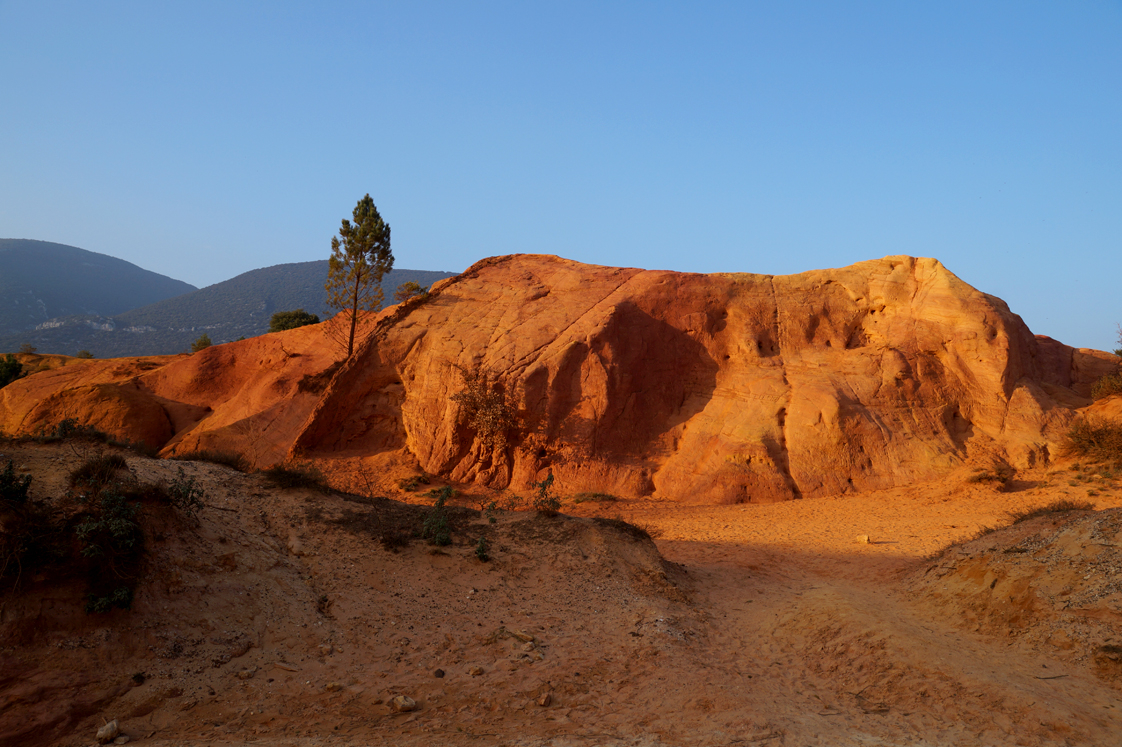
(41, 280)
(239, 307)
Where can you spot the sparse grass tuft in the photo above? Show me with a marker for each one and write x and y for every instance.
(634, 531)
(594, 497)
(97, 471)
(296, 476)
(227, 458)
(1055, 507)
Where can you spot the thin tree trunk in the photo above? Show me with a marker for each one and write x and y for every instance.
(354, 317)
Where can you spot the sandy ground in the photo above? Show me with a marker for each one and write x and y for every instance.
(281, 620)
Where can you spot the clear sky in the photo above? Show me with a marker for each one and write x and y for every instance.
(203, 139)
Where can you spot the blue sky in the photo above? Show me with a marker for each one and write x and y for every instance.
(201, 140)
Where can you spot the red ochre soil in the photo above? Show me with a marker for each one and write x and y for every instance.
(874, 392)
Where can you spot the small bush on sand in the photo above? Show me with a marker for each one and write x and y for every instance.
(1055, 507)
(435, 527)
(290, 476)
(412, 484)
(545, 502)
(481, 549)
(185, 493)
(998, 476)
(1100, 440)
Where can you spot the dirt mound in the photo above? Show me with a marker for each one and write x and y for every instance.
(281, 610)
(706, 388)
(1053, 581)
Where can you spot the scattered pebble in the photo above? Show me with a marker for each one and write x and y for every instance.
(403, 704)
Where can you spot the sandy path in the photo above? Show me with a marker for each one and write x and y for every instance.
(810, 627)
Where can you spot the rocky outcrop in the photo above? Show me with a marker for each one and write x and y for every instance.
(708, 388)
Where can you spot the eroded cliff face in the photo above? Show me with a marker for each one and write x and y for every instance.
(708, 388)
(704, 388)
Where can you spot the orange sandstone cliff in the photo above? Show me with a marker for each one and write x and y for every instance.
(700, 388)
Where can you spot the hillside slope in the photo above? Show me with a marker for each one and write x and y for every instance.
(40, 281)
(239, 307)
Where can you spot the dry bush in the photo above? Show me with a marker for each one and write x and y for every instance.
(1055, 507)
(594, 498)
(999, 475)
(1107, 385)
(1100, 440)
(486, 405)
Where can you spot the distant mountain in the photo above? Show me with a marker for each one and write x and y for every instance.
(40, 281)
(239, 307)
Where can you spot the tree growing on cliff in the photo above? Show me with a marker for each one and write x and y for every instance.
(10, 370)
(360, 256)
(408, 290)
(202, 343)
(283, 320)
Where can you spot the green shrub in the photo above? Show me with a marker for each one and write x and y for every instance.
(1100, 440)
(84, 354)
(283, 320)
(408, 290)
(13, 488)
(1107, 385)
(1055, 507)
(202, 343)
(545, 502)
(10, 370)
(296, 476)
(435, 527)
(481, 549)
(111, 540)
(185, 494)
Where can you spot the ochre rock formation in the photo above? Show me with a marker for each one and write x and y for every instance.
(725, 387)
(702, 388)
(249, 397)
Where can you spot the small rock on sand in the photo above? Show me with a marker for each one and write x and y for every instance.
(403, 704)
(108, 733)
(545, 700)
(864, 539)
(475, 671)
